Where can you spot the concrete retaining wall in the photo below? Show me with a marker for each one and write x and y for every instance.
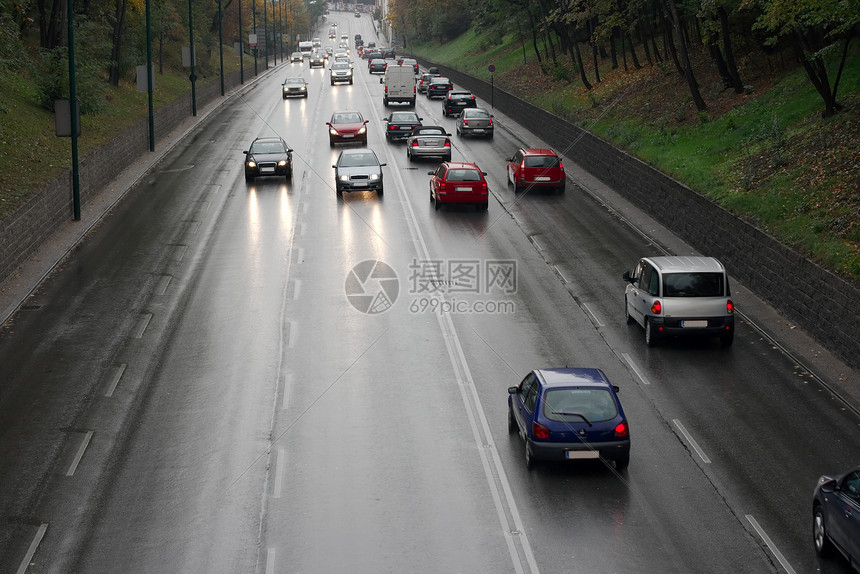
(825, 305)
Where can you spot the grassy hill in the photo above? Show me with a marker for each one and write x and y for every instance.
(766, 155)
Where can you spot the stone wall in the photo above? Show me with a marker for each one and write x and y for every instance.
(34, 222)
(825, 305)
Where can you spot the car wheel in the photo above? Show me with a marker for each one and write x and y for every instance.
(330, 142)
(409, 155)
(650, 339)
(379, 191)
(621, 464)
(339, 192)
(512, 422)
(489, 137)
(436, 203)
(285, 96)
(448, 157)
(484, 206)
(727, 339)
(350, 81)
(290, 175)
(444, 112)
(530, 459)
(561, 189)
(823, 546)
(332, 82)
(249, 177)
(627, 316)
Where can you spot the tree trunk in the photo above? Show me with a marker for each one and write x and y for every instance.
(579, 65)
(685, 58)
(735, 76)
(633, 55)
(717, 57)
(116, 50)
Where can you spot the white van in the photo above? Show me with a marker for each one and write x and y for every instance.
(399, 82)
(306, 48)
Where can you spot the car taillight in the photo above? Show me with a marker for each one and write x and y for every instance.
(730, 307)
(540, 431)
(414, 143)
(490, 122)
(392, 127)
(621, 430)
(656, 307)
(465, 122)
(447, 143)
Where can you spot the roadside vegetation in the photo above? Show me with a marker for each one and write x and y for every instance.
(782, 151)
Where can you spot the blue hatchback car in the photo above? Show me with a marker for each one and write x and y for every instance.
(836, 515)
(570, 413)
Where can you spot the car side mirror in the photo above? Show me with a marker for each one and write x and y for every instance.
(420, 119)
(510, 159)
(484, 172)
(615, 388)
(828, 486)
(289, 150)
(245, 152)
(381, 81)
(328, 124)
(334, 166)
(627, 277)
(431, 172)
(513, 390)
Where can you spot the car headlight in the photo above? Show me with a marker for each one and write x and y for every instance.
(251, 163)
(332, 131)
(282, 163)
(374, 176)
(344, 178)
(362, 130)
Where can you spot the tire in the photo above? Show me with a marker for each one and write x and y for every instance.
(330, 142)
(823, 546)
(529, 458)
(650, 339)
(379, 192)
(332, 82)
(448, 157)
(489, 137)
(350, 81)
(290, 175)
(339, 192)
(285, 96)
(409, 155)
(512, 422)
(727, 339)
(249, 177)
(436, 203)
(621, 464)
(385, 102)
(484, 206)
(627, 317)
(561, 189)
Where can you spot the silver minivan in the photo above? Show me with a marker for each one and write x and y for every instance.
(680, 295)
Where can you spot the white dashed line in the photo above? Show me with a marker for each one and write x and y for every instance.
(81, 450)
(635, 369)
(142, 324)
(770, 544)
(25, 563)
(692, 442)
(115, 381)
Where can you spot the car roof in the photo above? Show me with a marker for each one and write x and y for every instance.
(686, 263)
(462, 165)
(573, 376)
(358, 151)
(538, 151)
(460, 92)
(440, 79)
(267, 139)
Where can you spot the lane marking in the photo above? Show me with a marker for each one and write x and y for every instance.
(533, 239)
(590, 312)
(288, 383)
(636, 370)
(40, 533)
(561, 274)
(81, 450)
(142, 324)
(270, 561)
(279, 472)
(161, 287)
(297, 287)
(115, 381)
(179, 252)
(692, 442)
(782, 560)
(292, 336)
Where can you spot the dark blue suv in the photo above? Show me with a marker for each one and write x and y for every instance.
(571, 413)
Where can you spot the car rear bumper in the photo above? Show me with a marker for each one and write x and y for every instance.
(684, 326)
(365, 185)
(477, 198)
(531, 183)
(557, 450)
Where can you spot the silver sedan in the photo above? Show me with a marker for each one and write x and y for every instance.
(475, 122)
(429, 141)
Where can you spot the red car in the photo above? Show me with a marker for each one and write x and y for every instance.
(456, 182)
(536, 167)
(347, 127)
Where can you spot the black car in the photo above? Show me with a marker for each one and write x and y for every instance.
(358, 170)
(401, 124)
(268, 156)
(836, 515)
(294, 87)
(439, 87)
(377, 65)
(317, 60)
(457, 101)
(389, 53)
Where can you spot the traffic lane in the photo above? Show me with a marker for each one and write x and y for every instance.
(545, 331)
(554, 223)
(741, 402)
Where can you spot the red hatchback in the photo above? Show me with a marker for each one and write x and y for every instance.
(347, 127)
(536, 167)
(456, 182)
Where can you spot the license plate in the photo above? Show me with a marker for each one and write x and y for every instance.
(462, 189)
(581, 454)
(479, 130)
(359, 184)
(347, 136)
(432, 144)
(267, 170)
(542, 178)
(698, 324)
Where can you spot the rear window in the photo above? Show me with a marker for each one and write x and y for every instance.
(693, 285)
(541, 161)
(460, 96)
(463, 175)
(578, 404)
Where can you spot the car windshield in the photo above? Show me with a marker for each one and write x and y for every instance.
(340, 66)
(455, 96)
(571, 404)
(299, 81)
(463, 175)
(358, 159)
(430, 131)
(476, 114)
(267, 147)
(346, 118)
(693, 284)
(405, 117)
(540, 161)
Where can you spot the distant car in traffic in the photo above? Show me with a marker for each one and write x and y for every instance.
(836, 515)
(458, 182)
(456, 101)
(439, 87)
(340, 72)
(317, 60)
(347, 127)
(295, 86)
(570, 413)
(424, 81)
(358, 170)
(531, 168)
(429, 141)
(680, 296)
(377, 66)
(401, 124)
(268, 156)
(476, 122)
(296, 57)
